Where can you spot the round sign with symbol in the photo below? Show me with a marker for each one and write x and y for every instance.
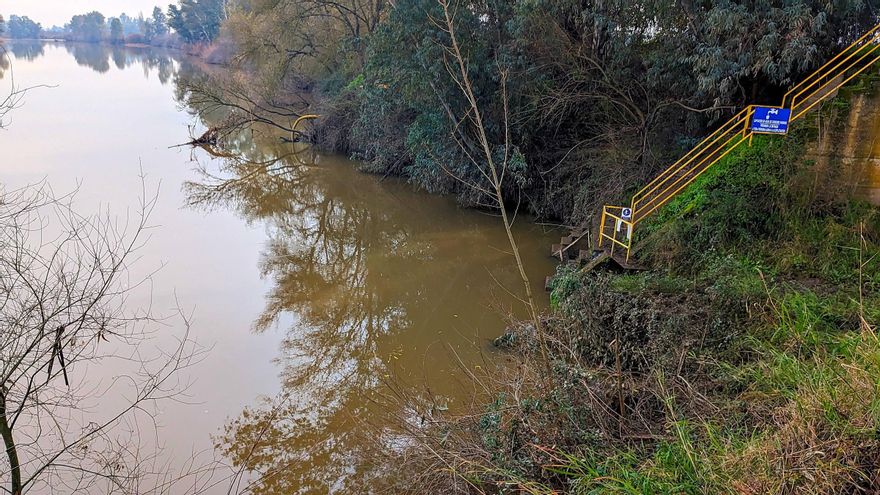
(627, 213)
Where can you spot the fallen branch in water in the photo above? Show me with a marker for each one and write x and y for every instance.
(210, 137)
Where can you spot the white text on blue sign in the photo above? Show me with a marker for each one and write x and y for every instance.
(768, 120)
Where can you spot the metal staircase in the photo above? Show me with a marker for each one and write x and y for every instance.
(617, 224)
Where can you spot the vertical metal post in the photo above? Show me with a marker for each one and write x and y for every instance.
(629, 241)
(614, 238)
(748, 119)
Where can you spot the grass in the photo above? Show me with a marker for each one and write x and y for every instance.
(797, 395)
(793, 397)
(814, 391)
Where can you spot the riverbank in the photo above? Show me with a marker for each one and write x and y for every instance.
(744, 361)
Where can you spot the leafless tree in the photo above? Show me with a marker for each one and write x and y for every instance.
(14, 93)
(472, 137)
(65, 318)
(13, 96)
(299, 30)
(242, 106)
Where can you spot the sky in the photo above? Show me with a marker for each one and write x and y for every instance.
(59, 12)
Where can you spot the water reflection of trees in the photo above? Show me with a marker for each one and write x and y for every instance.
(4, 59)
(329, 252)
(324, 258)
(358, 274)
(26, 50)
(351, 269)
(98, 57)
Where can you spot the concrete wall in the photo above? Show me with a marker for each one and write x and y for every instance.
(847, 155)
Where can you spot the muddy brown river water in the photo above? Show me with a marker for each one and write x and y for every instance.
(314, 288)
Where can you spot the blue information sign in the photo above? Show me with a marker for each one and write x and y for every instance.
(767, 120)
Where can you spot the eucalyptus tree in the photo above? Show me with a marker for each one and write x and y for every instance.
(117, 34)
(197, 21)
(311, 38)
(602, 94)
(23, 27)
(87, 27)
(159, 22)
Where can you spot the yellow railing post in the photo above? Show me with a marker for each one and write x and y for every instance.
(630, 230)
(295, 126)
(613, 239)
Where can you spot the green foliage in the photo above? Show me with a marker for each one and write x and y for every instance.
(811, 383)
(620, 474)
(595, 90)
(566, 282)
(21, 28)
(766, 321)
(832, 247)
(652, 318)
(744, 197)
(197, 21)
(733, 278)
(604, 112)
(407, 80)
(159, 22)
(772, 41)
(86, 27)
(116, 32)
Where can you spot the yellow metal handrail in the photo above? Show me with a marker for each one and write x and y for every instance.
(826, 89)
(841, 69)
(709, 144)
(301, 119)
(688, 155)
(813, 78)
(673, 189)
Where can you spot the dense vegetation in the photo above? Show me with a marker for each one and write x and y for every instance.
(197, 20)
(20, 27)
(599, 95)
(745, 360)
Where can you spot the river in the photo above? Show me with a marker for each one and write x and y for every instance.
(317, 292)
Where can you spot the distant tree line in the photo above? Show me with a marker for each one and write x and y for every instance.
(193, 21)
(94, 27)
(20, 28)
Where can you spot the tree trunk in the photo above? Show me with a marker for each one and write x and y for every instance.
(9, 443)
(496, 178)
